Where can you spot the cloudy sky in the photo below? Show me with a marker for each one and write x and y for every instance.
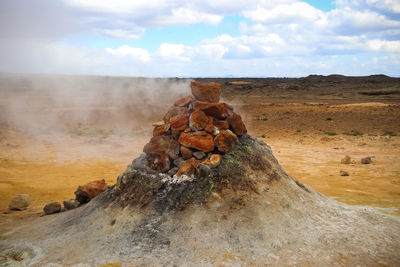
(182, 38)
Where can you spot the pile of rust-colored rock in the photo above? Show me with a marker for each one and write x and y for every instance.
(195, 132)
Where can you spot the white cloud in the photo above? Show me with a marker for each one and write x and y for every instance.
(133, 52)
(274, 37)
(173, 51)
(296, 11)
(124, 34)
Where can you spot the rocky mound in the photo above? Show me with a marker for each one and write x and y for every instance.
(231, 205)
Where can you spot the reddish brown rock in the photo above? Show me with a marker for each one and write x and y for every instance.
(225, 141)
(88, 191)
(209, 92)
(235, 121)
(163, 144)
(198, 120)
(209, 128)
(184, 101)
(188, 167)
(217, 110)
(180, 120)
(213, 161)
(200, 140)
(221, 124)
(186, 152)
(161, 130)
(175, 112)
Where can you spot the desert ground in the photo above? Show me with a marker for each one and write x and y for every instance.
(58, 132)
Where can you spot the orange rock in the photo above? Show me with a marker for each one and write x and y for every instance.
(163, 144)
(221, 124)
(88, 191)
(161, 130)
(186, 152)
(176, 131)
(184, 102)
(200, 140)
(188, 167)
(179, 120)
(225, 140)
(198, 120)
(210, 92)
(213, 161)
(209, 128)
(175, 112)
(235, 121)
(217, 110)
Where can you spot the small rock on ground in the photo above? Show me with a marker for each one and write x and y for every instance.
(71, 204)
(346, 160)
(53, 207)
(19, 202)
(366, 160)
(344, 173)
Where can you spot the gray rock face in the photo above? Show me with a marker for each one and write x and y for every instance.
(53, 207)
(71, 204)
(199, 155)
(19, 202)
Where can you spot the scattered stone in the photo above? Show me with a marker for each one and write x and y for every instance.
(344, 173)
(188, 167)
(346, 160)
(198, 120)
(204, 170)
(225, 141)
(88, 191)
(210, 92)
(221, 124)
(159, 162)
(213, 161)
(175, 112)
(366, 160)
(217, 110)
(19, 202)
(184, 101)
(199, 140)
(186, 152)
(158, 123)
(71, 204)
(163, 144)
(161, 130)
(173, 171)
(199, 155)
(178, 162)
(51, 208)
(235, 121)
(177, 131)
(180, 120)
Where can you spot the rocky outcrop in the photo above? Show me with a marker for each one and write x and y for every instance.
(194, 126)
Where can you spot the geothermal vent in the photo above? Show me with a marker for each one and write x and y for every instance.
(204, 193)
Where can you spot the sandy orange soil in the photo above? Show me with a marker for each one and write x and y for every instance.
(308, 137)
